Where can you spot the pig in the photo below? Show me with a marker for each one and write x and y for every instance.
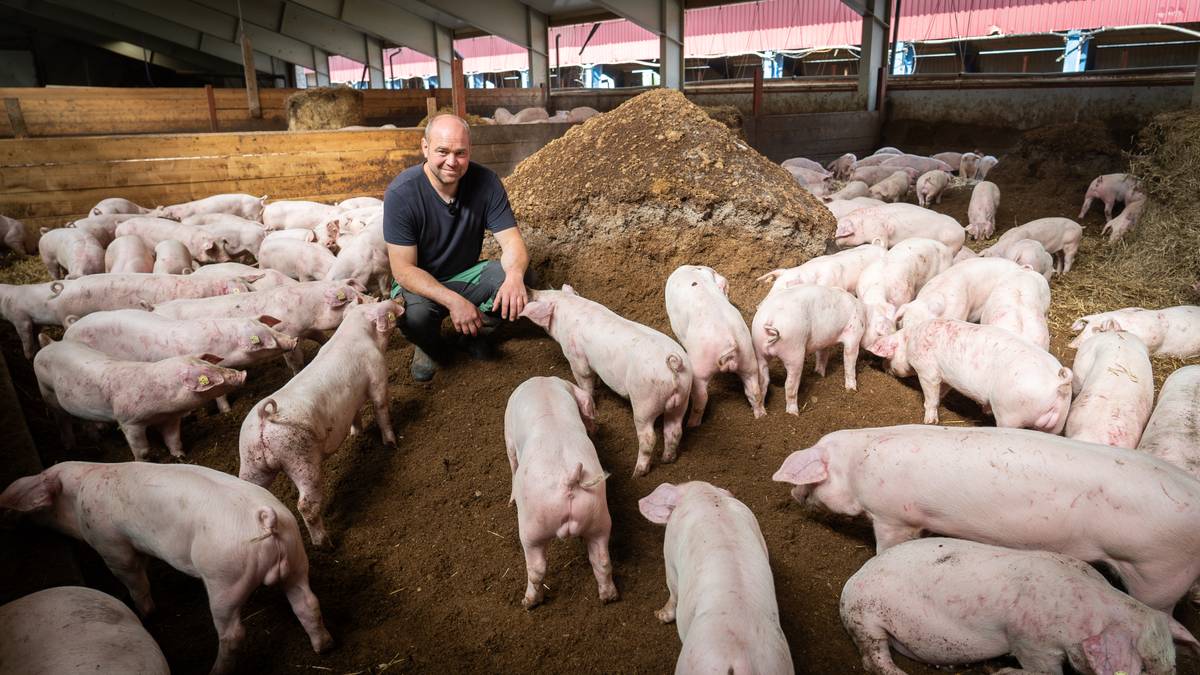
(964, 253)
(891, 189)
(99, 292)
(502, 116)
(1056, 235)
(91, 385)
(356, 220)
(26, 307)
(930, 187)
(872, 160)
(892, 223)
(889, 150)
(981, 213)
(1022, 385)
(968, 165)
(950, 158)
(843, 207)
(911, 264)
(172, 257)
(528, 115)
(1016, 488)
(637, 362)
(957, 293)
(235, 235)
(1110, 189)
(874, 174)
(805, 163)
(1040, 607)
(287, 215)
(722, 595)
(128, 255)
(12, 234)
(1114, 390)
(115, 205)
(855, 188)
(714, 334)
(808, 177)
(245, 206)
(872, 292)
(260, 280)
(842, 167)
(985, 165)
(299, 260)
(791, 322)
(581, 113)
(69, 253)
(364, 259)
(1030, 253)
(917, 162)
(839, 270)
(1174, 331)
(558, 484)
(359, 202)
(309, 236)
(1129, 216)
(232, 535)
(1173, 434)
(295, 428)
(1018, 303)
(103, 228)
(200, 244)
(105, 635)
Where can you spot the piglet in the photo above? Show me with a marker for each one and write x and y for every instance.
(1129, 216)
(245, 206)
(792, 322)
(12, 234)
(1030, 253)
(1059, 236)
(842, 167)
(714, 334)
(232, 535)
(981, 214)
(637, 362)
(26, 307)
(99, 292)
(959, 292)
(359, 202)
(70, 253)
(128, 255)
(172, 257)
(1040, 607)
(840, 208)
(1114, 390)
(1173, 433)
(891, 189)
(837, 270)
(805, 163)
(1174, 331)
(114, 205)
(1018, 303)
(91, 385)
(297, 214)
(984, 166)
(1021, 384)
(295, 428)
(105, 637)
(558, 484)
(200, 244)
(297, 259)
(918, 163)
(930, 187)
(1110, 189)
(236, 235)
(719, 577)
(968, 164)
(891, 223)
(951, 158)
(364, 259)
(259, 280)
(103, 228)
(855, 188)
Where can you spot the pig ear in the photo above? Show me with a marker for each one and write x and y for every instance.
(843, 230)
(356, 285)
(337, 297)
(804, 467)
(1111, 651)
(1109, 326)
(211, 358)
(1182, 637)
(885, 346)
(658, 505)
(268, 320)
(568, 289)
(722, 283)
(44, 340)
(539, 312)
(251, 278)
(384, 317)
(31, 493)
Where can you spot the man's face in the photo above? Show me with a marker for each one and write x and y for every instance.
(447, 151)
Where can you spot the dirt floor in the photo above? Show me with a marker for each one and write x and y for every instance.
(427, 573)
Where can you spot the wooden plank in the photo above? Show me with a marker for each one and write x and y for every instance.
(16, 120)
(459, 92)
(212, 107)
(251, 77)
(430, 106)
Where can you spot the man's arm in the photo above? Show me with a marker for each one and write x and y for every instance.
(465, 316)
(514, 258)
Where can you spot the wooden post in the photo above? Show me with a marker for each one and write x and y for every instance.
(212, 107)
(251, 78)
(757, 105)
(430, 106)
(16, 118)
(458, 94)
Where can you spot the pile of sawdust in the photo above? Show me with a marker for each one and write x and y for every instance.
(473, 120)
(728, 115)
(324, 108)
(1070, 150)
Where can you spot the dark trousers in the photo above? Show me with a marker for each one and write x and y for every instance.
(422, 320)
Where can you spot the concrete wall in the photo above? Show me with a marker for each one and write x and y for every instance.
(778, 100)
(817, 136)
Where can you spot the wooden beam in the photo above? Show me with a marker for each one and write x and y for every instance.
(459, 91)
(15, 118)
(757, 106)
(212, 107)
(430, 106)
(251, 78)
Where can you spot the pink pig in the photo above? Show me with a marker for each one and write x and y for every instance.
(26, 307)
(1114, 390)
(1016, 488)
(719, 577)
(951, 158)
(1018, 303)
(872, 175)
(234, 234)
(890, 189)
(295, 428)
(968, 164)
(1173, 434)
(364, 259)
(947, 602)
(840, 208)
(128, 255)
(891, 223)
(1030, 253)
(842, 167)
(1174, 331)
(70, 253)
(99, 292)
(637, 362)
(714, 334)
(1023, 385)
(103, 228)
(1056, 235)
(245, 206)
(260, 280)
(172, 257)
(232, 535)
(201, 245)
(1129, 216)
(115, 205)
(297, 214)
(359, 202)
(791, 322)
(1110, 189)
(838, 270)
(981, 214)
(92, 385)
(931, 185)
(984, 166)
(558, 484)
(918, 163)
(852, 189)
(957, 293)
(297, 259)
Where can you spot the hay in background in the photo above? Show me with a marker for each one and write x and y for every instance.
(472, 120)
(15, 269)
(324, 108)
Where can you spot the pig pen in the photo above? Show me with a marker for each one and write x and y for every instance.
(427, 573)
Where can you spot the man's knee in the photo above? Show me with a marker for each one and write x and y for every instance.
(422, 314)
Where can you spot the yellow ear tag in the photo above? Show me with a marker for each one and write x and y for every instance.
(341, 295)
(254, 340)
(203, 380)
(391, 316)
(237, 290)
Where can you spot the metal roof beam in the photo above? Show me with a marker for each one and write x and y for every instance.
(859, 6)
(508, 19)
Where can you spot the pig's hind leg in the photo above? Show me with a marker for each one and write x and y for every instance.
(135, 435)
(305, 473)
(226, 602)
(535, 572)
(699, 401)
(791, 385)
(602, 567)
(872, 641)
(931, 388)
(173, 436)
(308, 610)
(644, 415)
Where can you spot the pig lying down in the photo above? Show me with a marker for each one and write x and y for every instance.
(891, 223)
(232, 535)
(1016, 488)
(1173, 433)
(838, 270)
(638, 363)
(558, 484)
(722, 593)
(104, 636)
(1174, 331)
(1114, 390)
(949, 602)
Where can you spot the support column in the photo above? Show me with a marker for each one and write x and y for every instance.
(444, 46)
(252, 100)
(872, 58)
(321, 66)
(1196, 89)
(374, 61)
(671, 44)
(539, 49)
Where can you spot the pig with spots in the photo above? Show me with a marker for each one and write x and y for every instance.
(838, 270)
(1173, 433)
(722, 595)
(70, 253)
(1019, 383)
(948, 602)
(792, 322)
(1109, 189)
(981, 214)
(1114, 390)
(1016, 488)
(232, 535)
(77, 380)
(891, 223)
(638, 363)
(242, 205)
(1018, 303)
(558, 484)
(295, 428)
(1174, 331)
(1059, 236)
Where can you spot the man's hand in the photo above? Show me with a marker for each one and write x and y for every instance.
(511, 298)
(466, 317)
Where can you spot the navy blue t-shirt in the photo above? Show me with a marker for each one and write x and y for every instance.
(448, 238)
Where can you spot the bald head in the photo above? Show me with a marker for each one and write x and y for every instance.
(447, 150)
(446, 123)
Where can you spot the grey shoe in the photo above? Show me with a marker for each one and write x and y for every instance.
(423, 366)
